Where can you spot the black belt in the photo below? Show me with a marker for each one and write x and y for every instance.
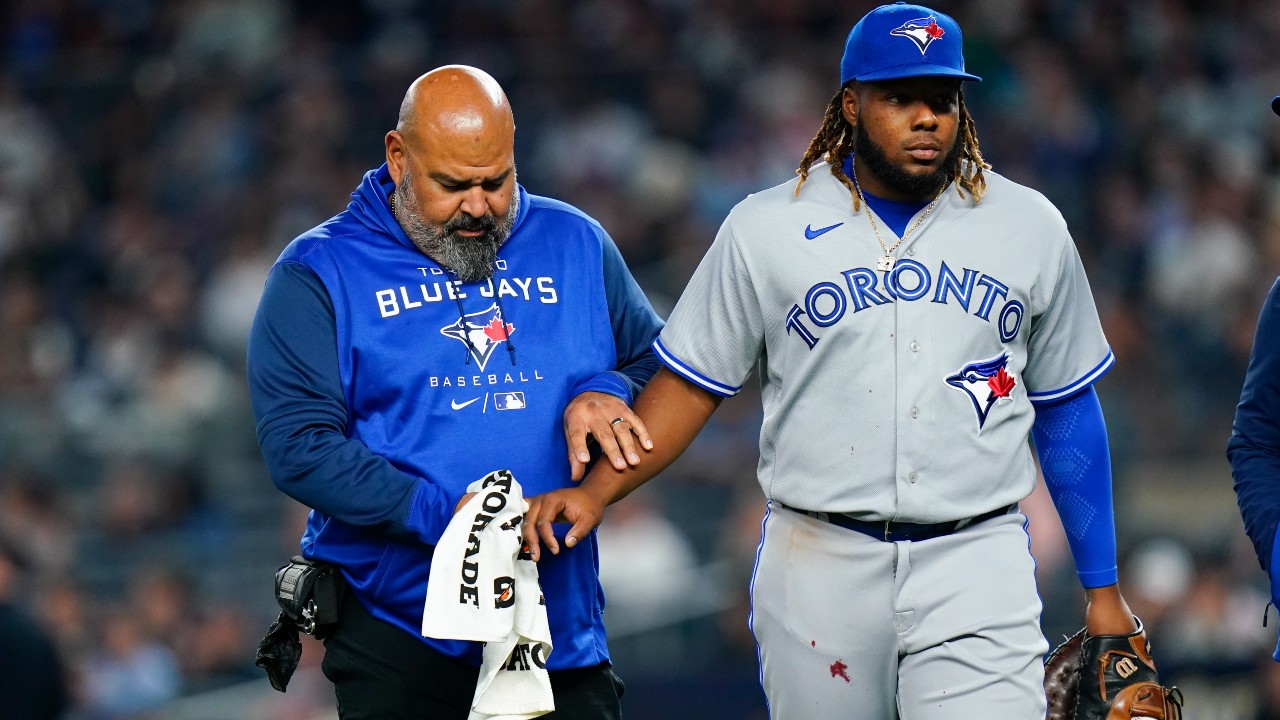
(890, 531)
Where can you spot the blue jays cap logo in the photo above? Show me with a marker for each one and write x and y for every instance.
(484, 329)
(921, 31)
(986, 382)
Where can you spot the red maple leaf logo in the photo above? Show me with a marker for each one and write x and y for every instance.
(934, 30)
(1001, 384)
(497, 331)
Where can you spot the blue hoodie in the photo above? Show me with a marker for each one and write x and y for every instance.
(382, 388)
(1254, 447)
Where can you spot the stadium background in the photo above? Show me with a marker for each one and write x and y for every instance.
(156, 156)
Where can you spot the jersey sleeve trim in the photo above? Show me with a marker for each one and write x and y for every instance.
(1088, 379)
(682, 369)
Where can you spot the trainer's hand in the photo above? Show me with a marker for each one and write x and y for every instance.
(577, 505)
(607, 419)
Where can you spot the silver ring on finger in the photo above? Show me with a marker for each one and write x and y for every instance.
(615, 421)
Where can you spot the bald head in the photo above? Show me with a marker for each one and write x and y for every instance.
(455, 100)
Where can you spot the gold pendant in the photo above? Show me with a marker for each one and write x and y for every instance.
(885, 264)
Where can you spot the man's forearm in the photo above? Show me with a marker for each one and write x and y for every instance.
(674, 411)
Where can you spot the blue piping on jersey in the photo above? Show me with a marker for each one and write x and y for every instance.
(1088, 379)
(680, 368)
(751, 605)
(1026, 529)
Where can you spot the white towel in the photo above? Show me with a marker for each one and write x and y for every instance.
(484, 587)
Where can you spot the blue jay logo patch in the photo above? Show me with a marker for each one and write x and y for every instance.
(921, 31)
(481, 332)
(986, 382)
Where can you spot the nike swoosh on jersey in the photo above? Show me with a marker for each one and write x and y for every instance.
(810, 233)
(459, 405)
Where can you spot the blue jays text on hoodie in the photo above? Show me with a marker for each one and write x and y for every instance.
(382, 388)
(1254, 447)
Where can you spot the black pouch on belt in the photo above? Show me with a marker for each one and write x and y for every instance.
(310, 596)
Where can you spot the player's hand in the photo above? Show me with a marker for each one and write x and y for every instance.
(1107, 613)
(607, 419)
(577, 505)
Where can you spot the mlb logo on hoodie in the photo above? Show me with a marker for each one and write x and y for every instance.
(508, 401)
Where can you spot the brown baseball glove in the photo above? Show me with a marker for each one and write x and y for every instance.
(1108, 677)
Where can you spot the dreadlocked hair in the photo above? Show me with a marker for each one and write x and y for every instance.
(835, 141)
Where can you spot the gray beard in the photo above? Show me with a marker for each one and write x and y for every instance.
(471, 259)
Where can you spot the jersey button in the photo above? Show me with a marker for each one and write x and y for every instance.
(911, 252)
(915, 346)
(913, 476)
(915, 413)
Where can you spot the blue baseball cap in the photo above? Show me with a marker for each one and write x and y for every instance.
(901, 40)
(1275, 104)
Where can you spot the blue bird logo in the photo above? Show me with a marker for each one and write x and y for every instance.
(986, 382)
(480, 332)
(921, 31)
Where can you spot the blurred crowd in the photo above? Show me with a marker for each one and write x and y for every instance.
(155, 157)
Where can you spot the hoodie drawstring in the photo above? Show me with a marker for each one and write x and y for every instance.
(511, 348)
(462, 323)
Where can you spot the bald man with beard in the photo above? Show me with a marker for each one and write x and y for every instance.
(447, 324)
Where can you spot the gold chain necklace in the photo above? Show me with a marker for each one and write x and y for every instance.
(886, 261)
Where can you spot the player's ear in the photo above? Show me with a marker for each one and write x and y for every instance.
(395, 155)
(849, 104)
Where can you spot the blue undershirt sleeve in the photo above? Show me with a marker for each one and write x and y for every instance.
(301, 413)
(1071, 442)
(635, 325)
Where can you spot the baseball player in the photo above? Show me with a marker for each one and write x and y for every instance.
(916, 318)
(1254, 447)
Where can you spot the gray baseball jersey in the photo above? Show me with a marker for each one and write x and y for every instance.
(902, 395)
